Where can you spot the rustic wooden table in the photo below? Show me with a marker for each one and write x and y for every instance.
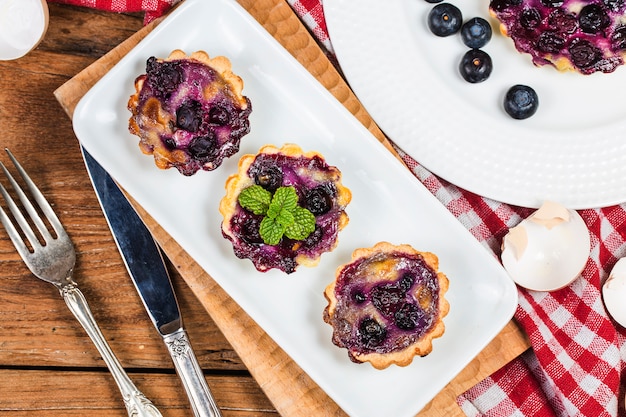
(48, 365)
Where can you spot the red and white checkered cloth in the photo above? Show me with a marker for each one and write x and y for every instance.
(578, 353)
(152, 8)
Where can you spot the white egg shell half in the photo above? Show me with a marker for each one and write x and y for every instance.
(23, 24)
(614, 292)
(548, 250)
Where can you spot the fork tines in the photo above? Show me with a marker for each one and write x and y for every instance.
(18, 216)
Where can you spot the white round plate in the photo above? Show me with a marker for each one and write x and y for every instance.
(573, 150)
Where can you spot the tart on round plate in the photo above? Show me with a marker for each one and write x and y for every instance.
(284, 208)
(189, 111)
(583, 35)
(387, 305)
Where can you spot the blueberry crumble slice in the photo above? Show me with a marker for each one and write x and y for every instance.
(387, 305)
(189, 111)
(583, 35)
(284, 208)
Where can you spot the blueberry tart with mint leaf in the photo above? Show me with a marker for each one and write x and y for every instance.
(284, 208)
(582, 35)
(189, 111)
(387, 305)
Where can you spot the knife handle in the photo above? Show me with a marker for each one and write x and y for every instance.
(137, 405)
(189, 371)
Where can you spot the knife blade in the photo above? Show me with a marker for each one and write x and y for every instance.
(144, 262)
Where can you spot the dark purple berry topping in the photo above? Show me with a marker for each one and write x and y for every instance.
(562, 22)
(163, 77)
(584, 35)
(410, 316)
(219, 115)
(189, 116)
(387, 298)
(593, 19)
(550, 42)
(269, 177)
(584, 54)
(204, 147)
(372, 333)
(319, 200)
(530, 18)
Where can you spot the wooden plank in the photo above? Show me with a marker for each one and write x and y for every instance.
(292, 392)
(86, 393)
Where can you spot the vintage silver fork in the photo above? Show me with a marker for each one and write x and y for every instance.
(52, 259)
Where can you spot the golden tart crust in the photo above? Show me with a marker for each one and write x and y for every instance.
(189, 111)
(387, 305)
(306, 171)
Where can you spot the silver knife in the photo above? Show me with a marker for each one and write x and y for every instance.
(145, 265)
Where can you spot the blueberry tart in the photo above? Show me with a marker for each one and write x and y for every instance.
(284, 208)
(387, 305)
(583, 35)
(189, 111)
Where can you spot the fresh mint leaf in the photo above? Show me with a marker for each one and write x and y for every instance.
(285, 198)
(302, 226)
(271, 231)
(255, 198)
(283, 216)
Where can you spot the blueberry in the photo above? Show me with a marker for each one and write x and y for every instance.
(269, 177)
(552, 3)
(387, 299)
(169, 143)
(371, 332)
(562, 21)
(359, 297)
(445, 19)
(614, 5)
(593, 18)
(189, 116)
(313, 238)
(219, 115)
(163, 77)
(521, 101)
(501, 5)
(476, 32)
(530, 18)
(550, 42)
(203, 147)
(318, 200)
(618, 38)
(409, 316)
(584, 54)
(406, 282)
(250, 231)
(475, 66)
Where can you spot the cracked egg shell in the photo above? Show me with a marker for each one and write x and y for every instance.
(548, 250)
(614, 292)
(23, 24)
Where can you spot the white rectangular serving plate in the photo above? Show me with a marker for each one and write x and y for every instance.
(388, 204)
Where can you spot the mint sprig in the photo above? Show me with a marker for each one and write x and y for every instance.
(283, 216)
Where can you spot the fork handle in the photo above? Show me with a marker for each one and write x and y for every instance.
(137, 405)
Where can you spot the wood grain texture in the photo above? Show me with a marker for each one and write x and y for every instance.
(289, 388)
(48, 365)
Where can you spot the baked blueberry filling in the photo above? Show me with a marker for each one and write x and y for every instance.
(187, 115)
(388, 315)
(316, 186)
(586, 35)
